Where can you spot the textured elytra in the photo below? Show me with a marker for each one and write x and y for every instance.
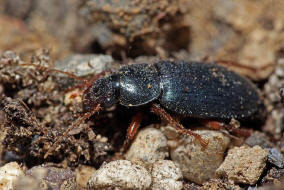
(205, 90)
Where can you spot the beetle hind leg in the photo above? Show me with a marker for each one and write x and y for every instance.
(216, 125)
(179, 127)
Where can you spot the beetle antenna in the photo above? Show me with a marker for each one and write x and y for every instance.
(54, 70)
(76, 124)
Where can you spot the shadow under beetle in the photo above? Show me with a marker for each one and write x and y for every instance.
(206, 91)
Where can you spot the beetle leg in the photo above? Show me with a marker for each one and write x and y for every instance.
(216, 125)
(86, 83)
(132, 130)
(174, 123)
(43, 68)
(74, 125)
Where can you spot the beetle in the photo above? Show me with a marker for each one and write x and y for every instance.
(206, 91)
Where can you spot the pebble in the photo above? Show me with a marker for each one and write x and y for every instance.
(198, 164)
(83, 174)
(275, 157)
(166, 175)
(273, 102)
(149, 146)
(243, 164)
(260, 139)
(252, 188)
(24, 182)
(120, 174)
(54, 178)
(8, 175)
(217, 184)
(83, 65)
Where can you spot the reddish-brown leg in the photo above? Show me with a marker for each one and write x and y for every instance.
(174, 123)
(132, 130)
(86, 83)
(74, 125)
(43, 68)
(216, 125)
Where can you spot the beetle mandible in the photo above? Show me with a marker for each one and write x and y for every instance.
(206, 91)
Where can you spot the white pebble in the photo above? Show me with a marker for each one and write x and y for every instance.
(9, 174)
(120, 174)
(149, 146)
(166, 175)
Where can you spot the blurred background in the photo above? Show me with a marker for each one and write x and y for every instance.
(246, 32)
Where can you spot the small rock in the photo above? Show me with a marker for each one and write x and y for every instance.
(260, 139)
(55, 178)
(198, 164)
(121, 174)
(83, 65)
(272, 175)
(149, 146)
(275, 157)
(217, 184)
(243, 164)
(83, 174)
(8, 175)
(29, 183)
(191, 186)
(274, 101)
(166, 175)
(252, 188)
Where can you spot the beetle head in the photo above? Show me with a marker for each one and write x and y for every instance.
(104, 91)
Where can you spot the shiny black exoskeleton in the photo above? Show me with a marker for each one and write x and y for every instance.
(195, 89)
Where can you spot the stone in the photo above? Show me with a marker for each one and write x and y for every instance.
(24, 182)
(217, 184)
(149, 146)
(275, 157)
(260, 139)
(120, 174)
(243, 164)
(8, 175)
(54, 178)
(198, 163)
(82, 65)
(166, 175)
(83, 174)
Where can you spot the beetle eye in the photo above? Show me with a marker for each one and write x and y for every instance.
(108, 102)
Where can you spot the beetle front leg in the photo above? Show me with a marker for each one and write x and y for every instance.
(174, 123)
(132, 130)
(216, 125)
(80, 120)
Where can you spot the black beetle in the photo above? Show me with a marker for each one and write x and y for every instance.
(191, 89)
